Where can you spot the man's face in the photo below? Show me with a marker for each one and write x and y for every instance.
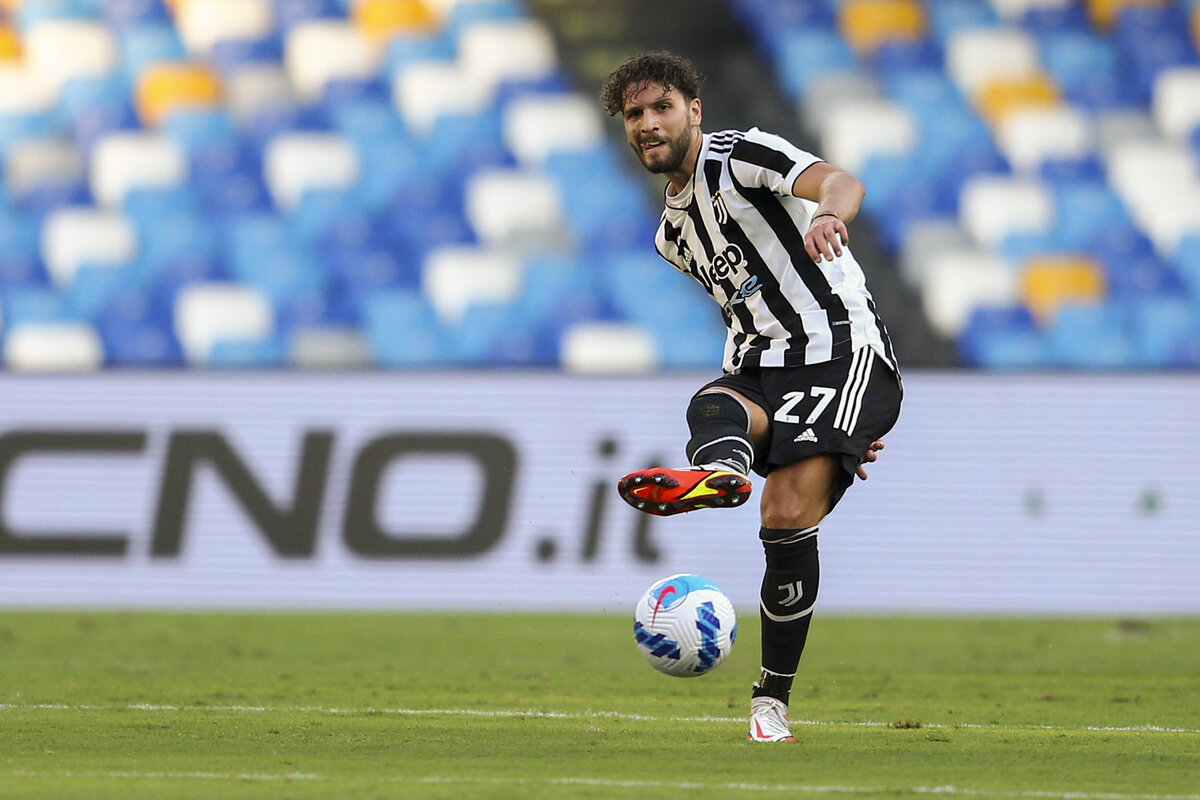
(660, 126)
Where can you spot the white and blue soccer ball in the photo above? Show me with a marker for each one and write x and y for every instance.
(684, 625)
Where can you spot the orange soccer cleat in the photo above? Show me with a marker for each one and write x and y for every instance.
(664, 492)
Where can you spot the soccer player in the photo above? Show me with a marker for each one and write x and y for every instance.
(809, 382)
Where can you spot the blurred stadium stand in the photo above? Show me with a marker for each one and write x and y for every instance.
(427, 183)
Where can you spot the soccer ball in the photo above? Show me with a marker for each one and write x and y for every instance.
(684, 625)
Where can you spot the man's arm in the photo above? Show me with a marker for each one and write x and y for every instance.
(838, 196)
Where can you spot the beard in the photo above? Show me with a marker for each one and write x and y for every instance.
(672, 160)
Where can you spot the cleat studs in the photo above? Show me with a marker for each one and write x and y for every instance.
(639, 480)
(719, 502)
(662, 506)
(641, 505)
(658, 479)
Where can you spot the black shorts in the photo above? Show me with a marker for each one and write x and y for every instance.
(838, 407)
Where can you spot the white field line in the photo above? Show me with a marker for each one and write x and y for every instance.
(703, 786)
(538, 714)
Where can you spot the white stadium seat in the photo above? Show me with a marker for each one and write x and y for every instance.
(1159, 183)
(30, 162)
(21, 92)
(453, 278)
(328, 348)
(203, 23)
(958, 281)
(1122, 126)
(1014, 10)
(839, 86)
(977, 56)
(926, 236)
(318, 51)
(425, 91)
(497, 51)
(207, 313)
(1029, 137)
(853, 131)
(993, 206)
(133, 160)
(256, 86)
(297, 162)
(538, 125)
(53, 347)
(1176, 101)
(512, 207)
(608, 348)
(57, 50)
(75, 236)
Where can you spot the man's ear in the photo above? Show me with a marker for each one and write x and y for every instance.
(694, 111)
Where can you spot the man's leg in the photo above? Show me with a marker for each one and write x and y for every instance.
(725, 428)
(794, 501)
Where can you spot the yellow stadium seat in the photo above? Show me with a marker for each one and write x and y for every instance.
(1050, 282)
(1000, 97)
(166, 86)
(10, 45)
(381, 19)
(866, 24)
(1103, 13)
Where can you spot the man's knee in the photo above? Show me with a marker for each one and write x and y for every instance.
(801, 494)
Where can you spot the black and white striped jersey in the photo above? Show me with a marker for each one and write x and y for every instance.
(739, 231)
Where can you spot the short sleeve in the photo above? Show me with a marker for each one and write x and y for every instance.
(770, 161)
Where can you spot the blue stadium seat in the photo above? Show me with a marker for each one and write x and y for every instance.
(1085, 210)
(198, 128)
(124, 13)
(946, 17)
(28, 14)
(34, 304)
(291, 12)
(1002, 338)
(248, 354)
(144, 43)
(808, 55)
(136, 329)
(20, 251)
(1160, 325)
(1152, 38)
(229, 54)
(1089, 336)
(403, 330)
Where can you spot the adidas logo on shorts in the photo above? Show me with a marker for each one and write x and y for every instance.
(807, 436)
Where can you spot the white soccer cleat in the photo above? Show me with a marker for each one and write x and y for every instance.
(768, 721)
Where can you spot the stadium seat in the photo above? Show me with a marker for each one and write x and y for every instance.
(1002, 337)
(607, 348)
(514, 208)
(57, 50)
(21, 94)
(1089, 336)
(130, 160)
(10, 45)
(992, 207)
(318, 51)
(53, 347)
(1176, 102)
(1049, 282)
(328, 348)
(853, 131)
(31, 162)
(381, 20)
(537, 125)
(975, 57)
(1016, 10)
(948, 17)
(72, 237)
(867, 24)
(203, 23)
(1104, 13)
(1001, 97)
(926, 236)
(453, 278)
(403, 330)
(958, 281)
(806, 56)
(427, 91)
(494, 52)
(251, 88)
(1160, 185)
(207, 313)
(298, 162)
(167, 86)
(1030, 137)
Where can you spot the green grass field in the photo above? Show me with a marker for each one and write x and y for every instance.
(182, 705)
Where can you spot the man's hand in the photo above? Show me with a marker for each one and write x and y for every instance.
(869, 457)
(825, 237)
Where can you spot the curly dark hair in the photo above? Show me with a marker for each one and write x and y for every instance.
(658, 66)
